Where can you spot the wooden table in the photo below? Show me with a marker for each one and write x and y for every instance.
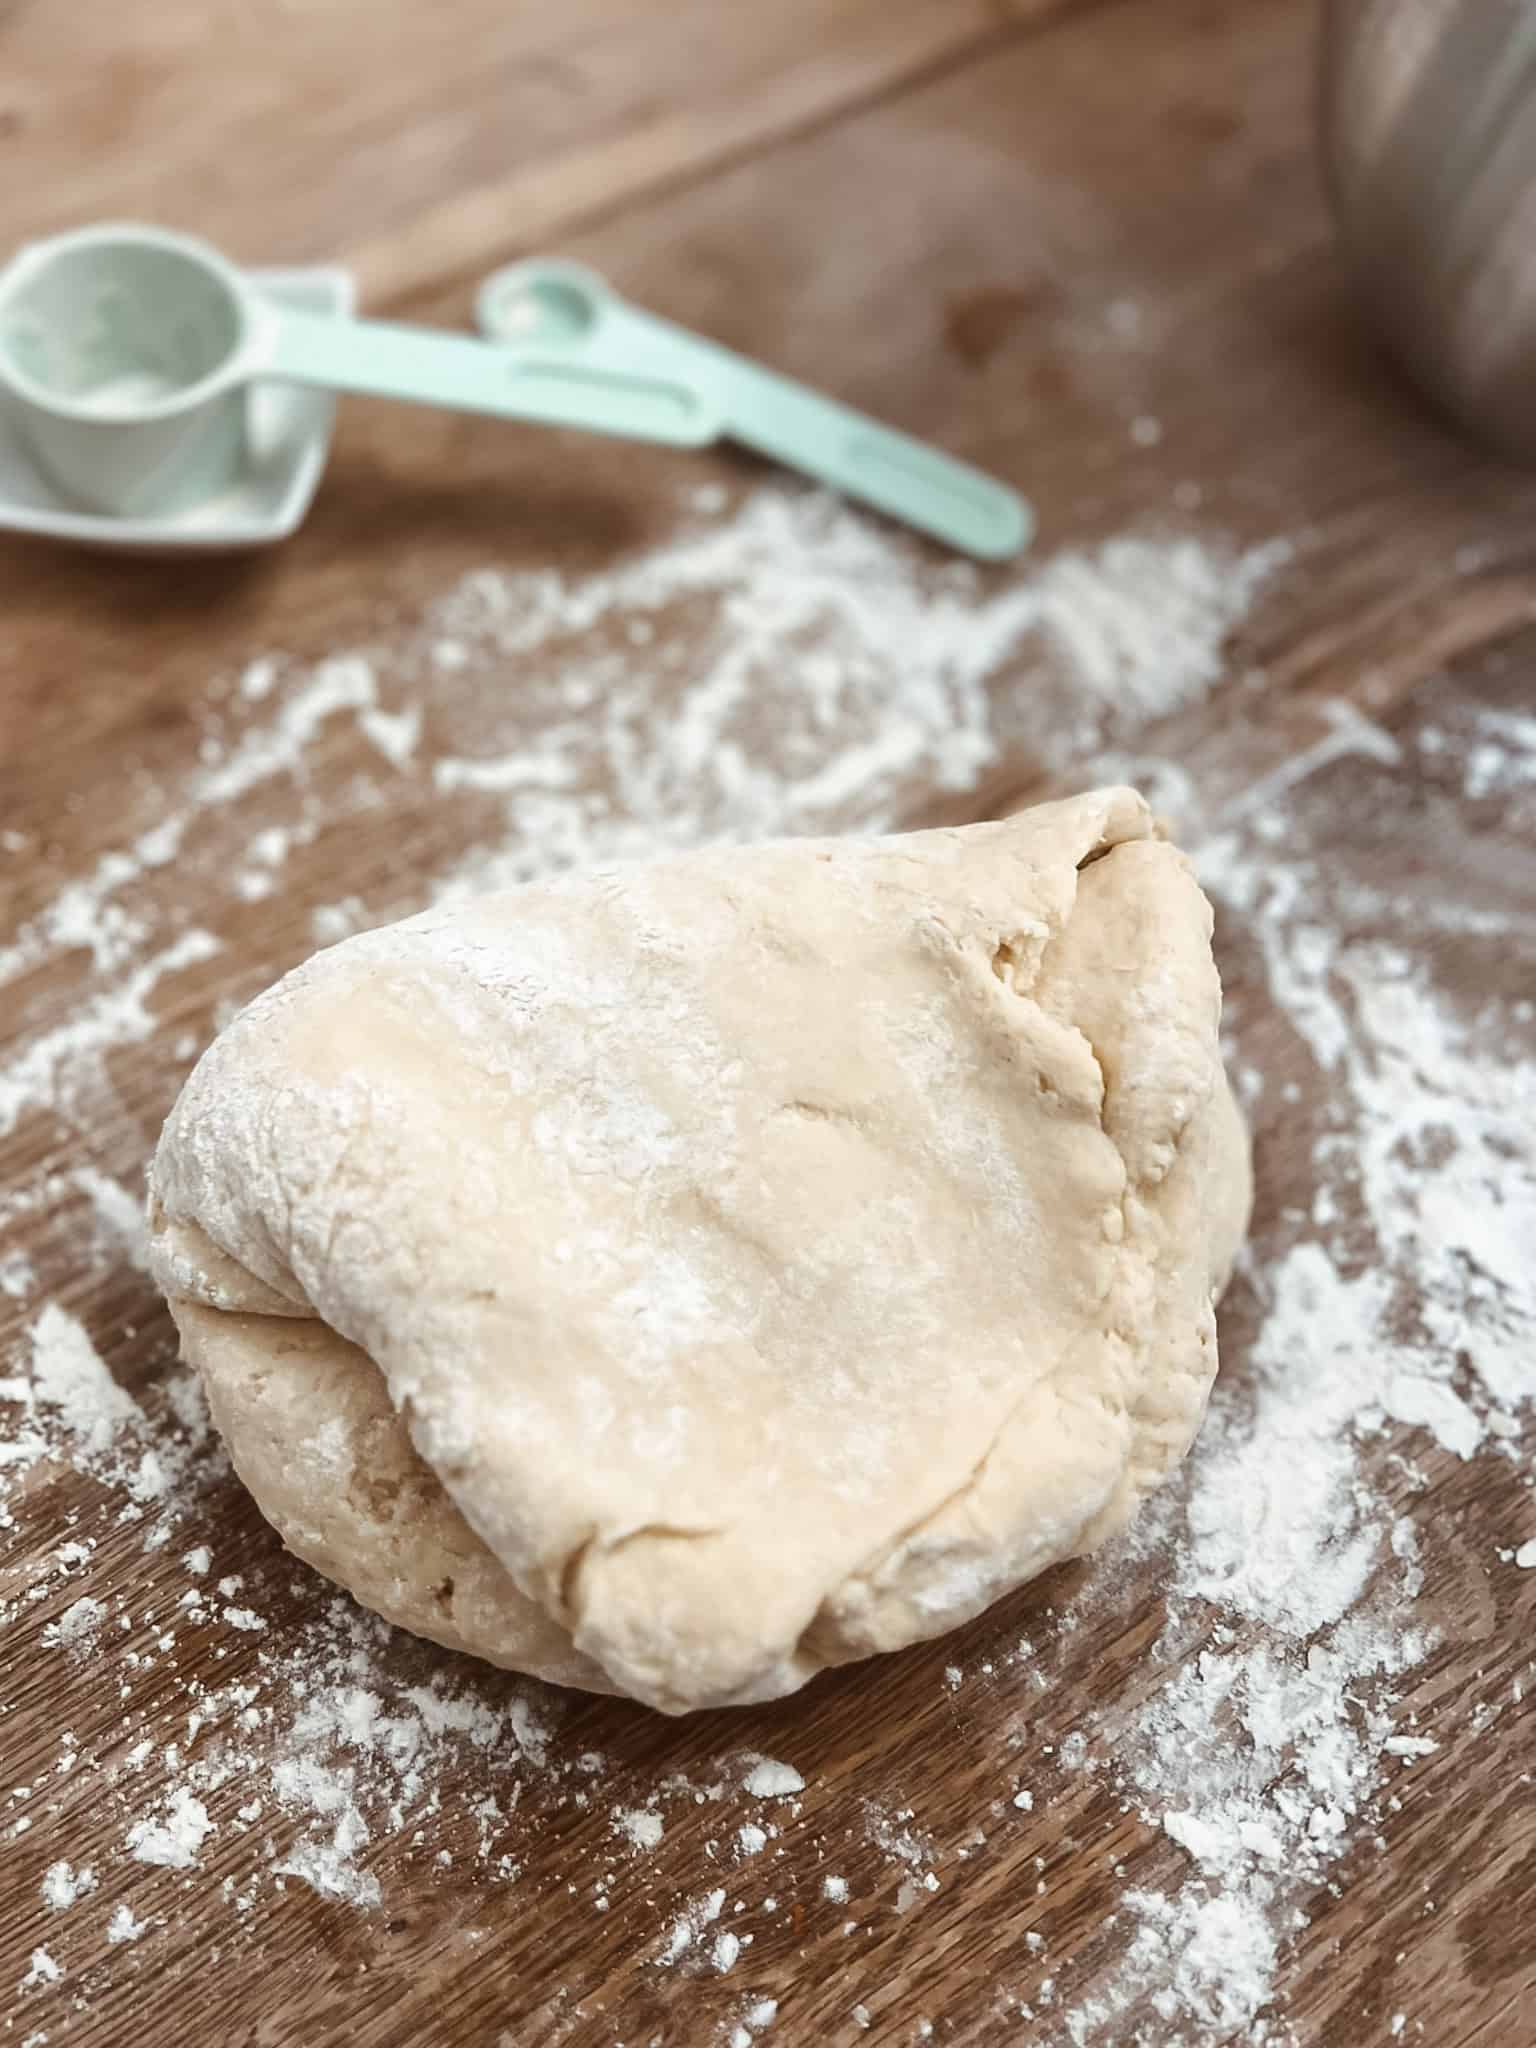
(1081, 244)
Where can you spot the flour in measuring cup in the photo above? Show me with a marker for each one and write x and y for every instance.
(126, 393)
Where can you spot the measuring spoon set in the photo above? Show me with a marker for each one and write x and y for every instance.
(132, 361)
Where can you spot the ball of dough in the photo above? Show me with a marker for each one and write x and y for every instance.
(674, 1279)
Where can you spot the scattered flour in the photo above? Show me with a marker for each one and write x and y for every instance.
(61, 1071)
(755, 2020)
(395, 734)
(123, 1927)
(176, 1839)
(644, 1829)
(77, 1627)
(767, 1779)
(63, 1884)
(813, 677)
(328, 1868)
(690, 1924)
(344, 683)
(17, 1277)
(68, 1376)
(119, 1214)
(1266, 1748)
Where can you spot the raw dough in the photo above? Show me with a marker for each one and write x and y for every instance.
(675, 1279)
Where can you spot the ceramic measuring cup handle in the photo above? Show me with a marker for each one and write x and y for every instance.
(384, 360)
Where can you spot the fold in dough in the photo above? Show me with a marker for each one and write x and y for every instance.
(674, 1279)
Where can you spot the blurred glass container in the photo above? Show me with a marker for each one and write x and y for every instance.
(1428, 135)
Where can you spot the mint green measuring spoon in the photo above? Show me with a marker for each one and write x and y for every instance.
(549, 308)
(126, 353)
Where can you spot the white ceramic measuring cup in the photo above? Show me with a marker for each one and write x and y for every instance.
(126, 353)
(567, 309)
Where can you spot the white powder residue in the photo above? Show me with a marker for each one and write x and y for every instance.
(69, 1377)
(815, 674)
(265, 853)
(756, 2018)
(1525, 1556)
(896, 1836)
(1266, 1748)
(123, 1927)
(343, 683)
(73, 1409)
(328, 1750)
(63, 1884)
(84, 914)
(59, 1068)
(328, 1868)
(17, 1275)
(691, 1923)
(175, 1840)
(394, 733)
(42, 1970)
(119, 1215)
(270, 847)
(303, 1783)
(1143, 622)
(77, 1627)
(257, 679)
(1410, 1747)
(644, 1829)
(768, 1779)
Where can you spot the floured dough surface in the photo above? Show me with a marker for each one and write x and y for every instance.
(675, 1279)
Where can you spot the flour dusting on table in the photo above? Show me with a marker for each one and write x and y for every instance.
(788, 667)
(1269, 1746)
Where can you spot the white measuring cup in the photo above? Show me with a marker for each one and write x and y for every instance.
(126, 354)
(569, 310)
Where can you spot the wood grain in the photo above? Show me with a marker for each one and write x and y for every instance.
(413, 144)
(1020, 232)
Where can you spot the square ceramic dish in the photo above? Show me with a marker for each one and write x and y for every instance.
(289, 435)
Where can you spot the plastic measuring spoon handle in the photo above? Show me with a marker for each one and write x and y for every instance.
(893, 472)
(566, 309)
(425, 367)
